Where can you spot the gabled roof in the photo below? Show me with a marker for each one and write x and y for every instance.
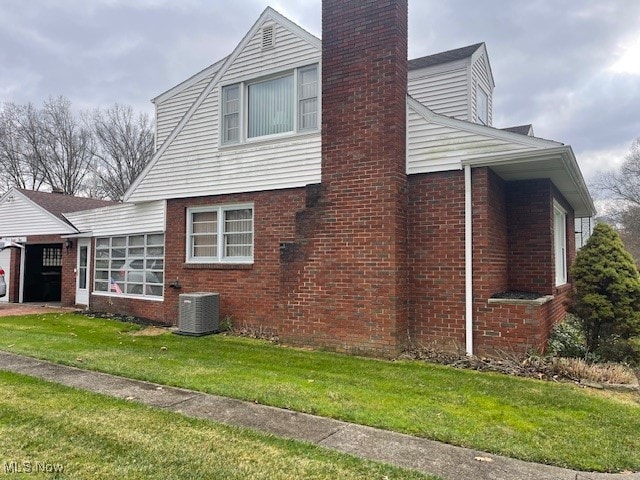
(269, 15)
(444, 57)
(539, 158)
(521, 129)
(58, 203)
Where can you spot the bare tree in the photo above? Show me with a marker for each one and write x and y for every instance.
(623, 187)
(21, 148)
(124, 146)
(624, 184)
(627, 222)
(68, 146)
(100, 155)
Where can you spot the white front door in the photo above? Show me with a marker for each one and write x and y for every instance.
(82, 271)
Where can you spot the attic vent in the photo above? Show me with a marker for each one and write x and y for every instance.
(268, 37)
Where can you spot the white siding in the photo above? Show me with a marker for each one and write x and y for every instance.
(266, 167)
(433, 146)
(169, 112)
(20, 217)
(290, 51)
(480, 76)
(445, 92)
(125, 218)
(194, 165)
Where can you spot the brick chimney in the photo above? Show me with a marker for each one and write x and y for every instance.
(362, 277)
(348, 285)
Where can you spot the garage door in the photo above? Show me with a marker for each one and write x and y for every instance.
(5, 263)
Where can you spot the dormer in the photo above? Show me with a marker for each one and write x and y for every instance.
(456, 83)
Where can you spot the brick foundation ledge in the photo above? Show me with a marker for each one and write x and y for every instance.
(518, 301)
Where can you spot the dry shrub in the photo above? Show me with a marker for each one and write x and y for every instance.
(578, 369)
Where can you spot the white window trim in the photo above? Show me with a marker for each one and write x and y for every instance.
(479, 91)
(244, 106)
(220, 209)
(560, 244)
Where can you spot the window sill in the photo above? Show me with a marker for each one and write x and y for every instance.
(271, 139)
(218, 266)
(128, 296)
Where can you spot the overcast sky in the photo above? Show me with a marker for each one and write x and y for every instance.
(570, 67)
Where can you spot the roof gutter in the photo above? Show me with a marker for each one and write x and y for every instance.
(563, 153)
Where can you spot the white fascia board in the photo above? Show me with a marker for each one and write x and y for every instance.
(6, 195)
(478, 129)
(78, 235)
(563, 153)
(189, 82)
(488, 160)
(476, 54)
(68, 228)
(269, 14)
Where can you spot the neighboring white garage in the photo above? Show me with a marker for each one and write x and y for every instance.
(36, 220)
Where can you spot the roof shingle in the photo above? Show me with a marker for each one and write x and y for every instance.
(444, 57)
(59, 203)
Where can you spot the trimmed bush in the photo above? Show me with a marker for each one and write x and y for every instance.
(567, 339)
(606, 297)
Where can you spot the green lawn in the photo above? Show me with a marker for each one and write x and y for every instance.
(527, 419)
(83, 435)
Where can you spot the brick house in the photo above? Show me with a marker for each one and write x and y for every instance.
(343, 197)
(44, 270)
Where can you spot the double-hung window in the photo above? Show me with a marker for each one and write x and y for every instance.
(220, 234)
(308, 98)
(231, 115)
(276, 105)
(560, 243)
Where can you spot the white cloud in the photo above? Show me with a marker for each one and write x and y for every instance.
(629, 59)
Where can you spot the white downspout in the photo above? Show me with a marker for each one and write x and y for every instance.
(468, 261)
(21, 286)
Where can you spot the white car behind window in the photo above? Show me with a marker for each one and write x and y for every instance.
(3, 284)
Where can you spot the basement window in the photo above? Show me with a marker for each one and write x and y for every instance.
(220, 234)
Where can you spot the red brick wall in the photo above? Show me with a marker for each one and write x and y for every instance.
(147, 309)
(436, 259)
(250, 294)
(531, 260)
(13, 290)
(490, 234)
(516, 327)
(69, 264)
(351, 292)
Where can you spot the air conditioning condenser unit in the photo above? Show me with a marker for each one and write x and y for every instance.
(199, 313)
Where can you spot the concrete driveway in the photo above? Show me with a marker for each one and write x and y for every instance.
(10, 309)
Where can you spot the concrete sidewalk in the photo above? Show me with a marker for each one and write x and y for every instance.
(449, 462)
